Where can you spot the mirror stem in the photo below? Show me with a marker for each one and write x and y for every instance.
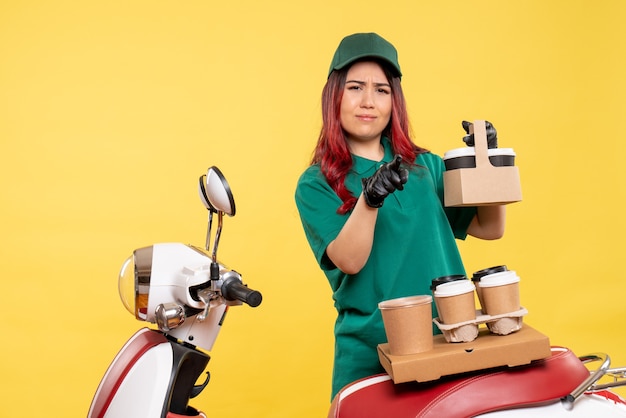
(220, 216)
(208, 231)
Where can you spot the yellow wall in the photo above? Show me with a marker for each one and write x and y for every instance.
(109, 112)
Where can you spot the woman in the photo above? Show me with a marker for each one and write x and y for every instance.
(371, 203)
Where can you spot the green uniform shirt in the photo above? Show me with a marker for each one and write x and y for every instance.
(414, 242)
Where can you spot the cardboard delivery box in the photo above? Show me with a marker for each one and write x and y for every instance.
(486, 351)
(484, 184)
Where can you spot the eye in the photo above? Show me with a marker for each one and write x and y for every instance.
(384, 90)
(353, 86)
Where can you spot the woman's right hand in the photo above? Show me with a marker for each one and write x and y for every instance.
(387, 179)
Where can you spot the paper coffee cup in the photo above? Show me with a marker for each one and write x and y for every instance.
(500, 292)
(455, 301)
(408, 324)
(476, 278)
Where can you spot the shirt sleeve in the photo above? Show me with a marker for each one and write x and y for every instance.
(317, 205)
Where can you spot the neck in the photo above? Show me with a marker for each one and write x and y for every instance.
(371, 150)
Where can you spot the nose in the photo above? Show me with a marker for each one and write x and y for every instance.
(367, 99)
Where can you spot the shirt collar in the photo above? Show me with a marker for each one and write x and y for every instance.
(362, 165)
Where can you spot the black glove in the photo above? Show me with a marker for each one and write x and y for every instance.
(387, 179)
(492, 135)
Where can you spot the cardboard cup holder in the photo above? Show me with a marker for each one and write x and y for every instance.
(486, 352)
(502, 324)
(485, 184)
(477, 343)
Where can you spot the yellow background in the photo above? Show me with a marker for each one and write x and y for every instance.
(109, 112)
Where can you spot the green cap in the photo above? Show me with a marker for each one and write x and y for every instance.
(364, 45)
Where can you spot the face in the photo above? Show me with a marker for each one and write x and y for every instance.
(366, 103)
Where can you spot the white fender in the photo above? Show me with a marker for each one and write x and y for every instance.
(136, 383)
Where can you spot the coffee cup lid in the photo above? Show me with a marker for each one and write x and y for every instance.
(471, 152)
(499, 279)
(489, 270)
(501, 151)
(459, 152)
(446, 279)
(457, 287)
(405, 302)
